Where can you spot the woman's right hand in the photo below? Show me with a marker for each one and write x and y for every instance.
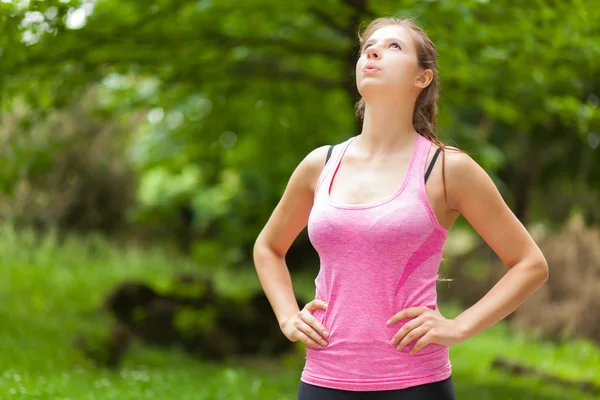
(305, 327)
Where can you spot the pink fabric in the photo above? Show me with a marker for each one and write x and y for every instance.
(376, 259)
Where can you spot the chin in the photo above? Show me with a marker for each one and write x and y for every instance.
(373, 88)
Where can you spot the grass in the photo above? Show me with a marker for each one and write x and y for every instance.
(49, 289)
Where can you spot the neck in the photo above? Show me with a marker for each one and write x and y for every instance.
(387, 128)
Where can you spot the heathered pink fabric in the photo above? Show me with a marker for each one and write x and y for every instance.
(376, 259)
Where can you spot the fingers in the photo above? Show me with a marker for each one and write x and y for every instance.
(312, 336)
(408, 327)
(412, 335)
(424, 341)
(407, 313)
(314, 323)
(316, 303)
(306, 328)
(307, 340)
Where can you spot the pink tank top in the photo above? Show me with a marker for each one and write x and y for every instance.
(376, 259)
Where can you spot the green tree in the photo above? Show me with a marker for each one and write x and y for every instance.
(236, 93)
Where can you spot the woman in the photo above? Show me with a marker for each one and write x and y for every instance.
(378, 211)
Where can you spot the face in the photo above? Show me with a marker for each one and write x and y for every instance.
(388, 64)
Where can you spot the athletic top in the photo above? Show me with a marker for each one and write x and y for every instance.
(375, 260)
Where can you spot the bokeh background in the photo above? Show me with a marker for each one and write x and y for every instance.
(144, 144)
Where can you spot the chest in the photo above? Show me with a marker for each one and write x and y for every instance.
(363, 183)
(395, 226)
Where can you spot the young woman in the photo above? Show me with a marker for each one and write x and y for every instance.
(378, 208)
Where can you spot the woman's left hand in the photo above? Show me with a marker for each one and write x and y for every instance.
(428, 325)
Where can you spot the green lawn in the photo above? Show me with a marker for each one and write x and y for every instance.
(48, 294)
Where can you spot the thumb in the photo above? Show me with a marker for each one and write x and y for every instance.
(317, 303)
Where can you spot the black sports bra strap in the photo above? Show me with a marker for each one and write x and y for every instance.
(328, 154)
(429, 169)
(435, 156)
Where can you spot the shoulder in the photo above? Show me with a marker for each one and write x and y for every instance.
(456, 161)
(310, 168)
(459, 164)
(464, 176)
(314, 161)
(316, 158)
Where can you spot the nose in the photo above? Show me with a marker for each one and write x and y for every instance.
(373, 52)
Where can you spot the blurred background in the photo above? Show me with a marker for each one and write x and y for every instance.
(144, 144)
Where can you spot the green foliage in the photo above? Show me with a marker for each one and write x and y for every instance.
(196, 321)
(235, 95)
(221, 100)
(51, 294)
(65, 167)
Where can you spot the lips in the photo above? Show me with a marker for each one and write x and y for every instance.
(370, 68)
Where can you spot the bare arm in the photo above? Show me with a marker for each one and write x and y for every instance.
(286, 222)
(474, 195)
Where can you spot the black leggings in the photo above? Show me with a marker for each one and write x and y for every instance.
(443, 390)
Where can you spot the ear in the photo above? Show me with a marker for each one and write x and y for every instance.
(424, 79)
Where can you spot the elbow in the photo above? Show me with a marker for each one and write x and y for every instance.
(258, 251)
(262, 251)
(541, 270)
(534, 270)
(546, 271)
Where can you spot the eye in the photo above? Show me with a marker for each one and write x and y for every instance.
(395, 44)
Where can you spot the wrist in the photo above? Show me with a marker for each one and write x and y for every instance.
(282, 320)
(464, 329)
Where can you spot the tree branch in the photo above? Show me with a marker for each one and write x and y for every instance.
(253, 70)
(265, 41)
(360, 6)
(345, 31)
(97, 42)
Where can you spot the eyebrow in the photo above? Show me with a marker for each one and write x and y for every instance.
(389, 39)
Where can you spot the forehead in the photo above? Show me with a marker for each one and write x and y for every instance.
(391, 32)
